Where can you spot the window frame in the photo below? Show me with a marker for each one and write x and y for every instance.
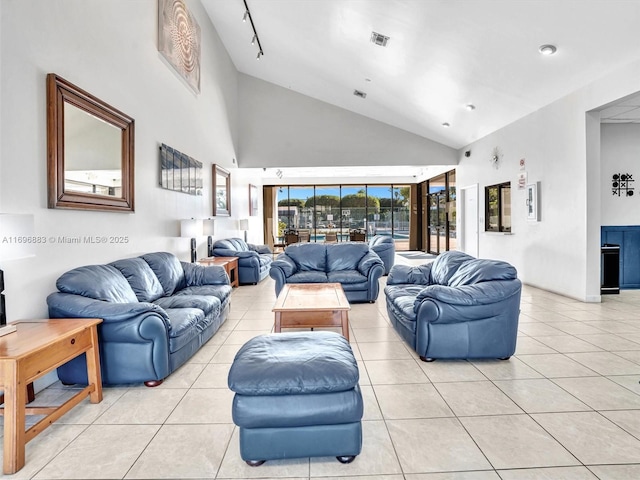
(501, 228)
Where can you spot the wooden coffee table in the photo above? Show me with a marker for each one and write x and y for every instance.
(311, 305)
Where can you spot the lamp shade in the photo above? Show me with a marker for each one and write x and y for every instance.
(208, 225)
(16, 230)
(191, 228)
(244, 224)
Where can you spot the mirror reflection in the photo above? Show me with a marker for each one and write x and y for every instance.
(92, 152)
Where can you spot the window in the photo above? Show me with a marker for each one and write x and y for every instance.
(497, 208)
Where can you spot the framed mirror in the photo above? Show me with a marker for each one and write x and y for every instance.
(90, 151)
(221, 191)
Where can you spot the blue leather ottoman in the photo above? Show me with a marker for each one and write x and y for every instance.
(297, 395)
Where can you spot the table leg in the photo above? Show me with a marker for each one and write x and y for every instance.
(93, 367)
(15, 396)
(344, 320)
(278, 324)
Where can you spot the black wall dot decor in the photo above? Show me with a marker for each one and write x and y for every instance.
(621, 182)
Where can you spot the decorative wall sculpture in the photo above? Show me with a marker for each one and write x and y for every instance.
(179, 40)
(621, 184)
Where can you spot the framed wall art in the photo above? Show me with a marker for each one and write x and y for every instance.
(179, 40)
(221, 191)
(180, 172)
(532, 202)
(253, 200)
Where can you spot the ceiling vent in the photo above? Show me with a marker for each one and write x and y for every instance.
(379, 39)
(360, 94)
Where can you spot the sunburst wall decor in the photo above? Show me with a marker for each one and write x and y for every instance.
(179, 40)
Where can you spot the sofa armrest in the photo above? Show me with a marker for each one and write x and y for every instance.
(285, 265)
(369, 261)
(63, 305)
(465, 303)
(259, 248)
(418, 275)
(196, 275)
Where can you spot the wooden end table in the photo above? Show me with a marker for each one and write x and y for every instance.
(34, 349)
(230, 265)
(310, 305)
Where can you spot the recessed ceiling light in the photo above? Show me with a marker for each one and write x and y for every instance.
(470, 106)
(360, 94)
(547, 49)
(446, 124)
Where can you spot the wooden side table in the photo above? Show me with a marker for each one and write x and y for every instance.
(36, 348)
(230, 265)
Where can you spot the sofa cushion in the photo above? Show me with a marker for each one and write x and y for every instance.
(184, 328)
(222, 292)
(308, 277)
(403, 297)
(143, 281)
(308, 256)
(168, 269)
(347, 277)
(209, 305)
(482, 270)
(345, 256)
(446, 265)
(100, 282)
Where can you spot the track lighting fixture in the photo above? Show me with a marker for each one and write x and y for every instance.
(255, 39)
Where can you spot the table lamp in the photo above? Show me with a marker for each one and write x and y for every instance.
(244, 225)
(191, 228)
(208, 230)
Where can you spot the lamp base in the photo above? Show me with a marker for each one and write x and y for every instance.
(7, 329)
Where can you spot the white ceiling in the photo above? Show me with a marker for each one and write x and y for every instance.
(442, 55)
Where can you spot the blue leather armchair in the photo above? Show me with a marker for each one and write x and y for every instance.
(254, 261)
(385, 247)
(157, 312)
(353, 265)
(456, 307)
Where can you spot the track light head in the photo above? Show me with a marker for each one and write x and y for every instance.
(259, 55)
(246, 14)
(253, 40)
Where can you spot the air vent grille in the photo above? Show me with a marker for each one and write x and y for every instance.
(379, 39)
(360, 94)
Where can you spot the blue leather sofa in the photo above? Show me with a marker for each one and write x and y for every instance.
(385, 247)
(157, 312)
(353, 265)
(253, 260)
(456, 307)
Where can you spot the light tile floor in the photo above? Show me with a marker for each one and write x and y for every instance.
(566, 406)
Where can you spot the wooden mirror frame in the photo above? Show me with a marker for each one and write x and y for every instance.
(59, 93)
(216, 170)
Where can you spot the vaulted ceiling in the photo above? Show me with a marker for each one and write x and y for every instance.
(441, 55)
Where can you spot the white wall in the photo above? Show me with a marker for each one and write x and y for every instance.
(620, 153)
(109, 49)
(282, 128)
(561, 252)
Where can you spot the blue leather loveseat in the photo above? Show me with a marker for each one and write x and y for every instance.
(253, 260)
(456, 307)
(157, 312)
(385, 247)
(351, 264)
